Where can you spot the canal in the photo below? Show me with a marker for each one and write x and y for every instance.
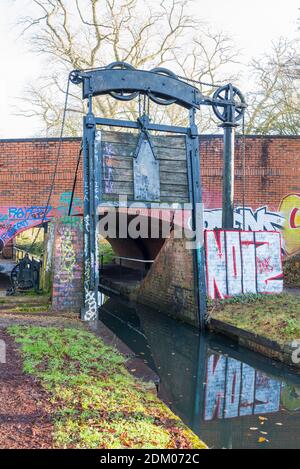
(228, 395)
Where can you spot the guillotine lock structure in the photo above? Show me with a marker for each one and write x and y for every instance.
(123, 82)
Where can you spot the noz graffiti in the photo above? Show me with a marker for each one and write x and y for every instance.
(286, 220)
(236, 389)
(240, 262)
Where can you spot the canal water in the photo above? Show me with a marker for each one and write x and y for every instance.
(229, 396)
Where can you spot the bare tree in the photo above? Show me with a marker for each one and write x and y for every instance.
(274, 103)
(78, 34)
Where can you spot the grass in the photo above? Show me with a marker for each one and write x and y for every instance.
(276, 317)
(99, 404)
(106, 251)
(24, 241)
(29, 308)
(27, 302)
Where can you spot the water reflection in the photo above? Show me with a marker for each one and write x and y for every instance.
(231, 397)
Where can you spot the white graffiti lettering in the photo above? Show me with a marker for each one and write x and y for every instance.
(254, 220)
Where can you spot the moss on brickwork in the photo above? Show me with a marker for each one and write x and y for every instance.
(291, 271)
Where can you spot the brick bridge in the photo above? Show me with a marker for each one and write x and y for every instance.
(270, 194)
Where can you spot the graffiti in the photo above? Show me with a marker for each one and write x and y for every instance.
(235, 389)
(254, 220)
(108, 167)
(18, 219)
(264, 265)
(108, 174)
(15, 219)
(240, 262)
(67, 268)
(290, 209)
(285, 220)
(28, 213)
(64, 201)
(87, 223)
(90, 313)
(90, 299)
(68, 256)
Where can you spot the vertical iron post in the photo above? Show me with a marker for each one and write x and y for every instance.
(197, 218)
(228, 176)
(200, 383)
(91, 199)
(228, 164)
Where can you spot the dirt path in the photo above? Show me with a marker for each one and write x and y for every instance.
(25, 413)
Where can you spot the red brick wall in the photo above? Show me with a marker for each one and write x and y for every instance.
(169, 284)
(26, 170)
(272, 170)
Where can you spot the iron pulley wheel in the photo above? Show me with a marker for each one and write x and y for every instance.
(158, 99)
(122, 95)
(75, 77)
(229, 97)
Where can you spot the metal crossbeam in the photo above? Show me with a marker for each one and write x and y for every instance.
(135, 125)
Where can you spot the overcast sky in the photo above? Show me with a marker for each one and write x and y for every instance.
(253, 25)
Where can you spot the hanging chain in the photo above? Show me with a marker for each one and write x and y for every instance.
(145, 106)
(75, 179)
(140, 113)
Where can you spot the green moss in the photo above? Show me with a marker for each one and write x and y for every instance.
(105, 251)
(25, 239)
(99, 404)
(276, 317)
(29, 308)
